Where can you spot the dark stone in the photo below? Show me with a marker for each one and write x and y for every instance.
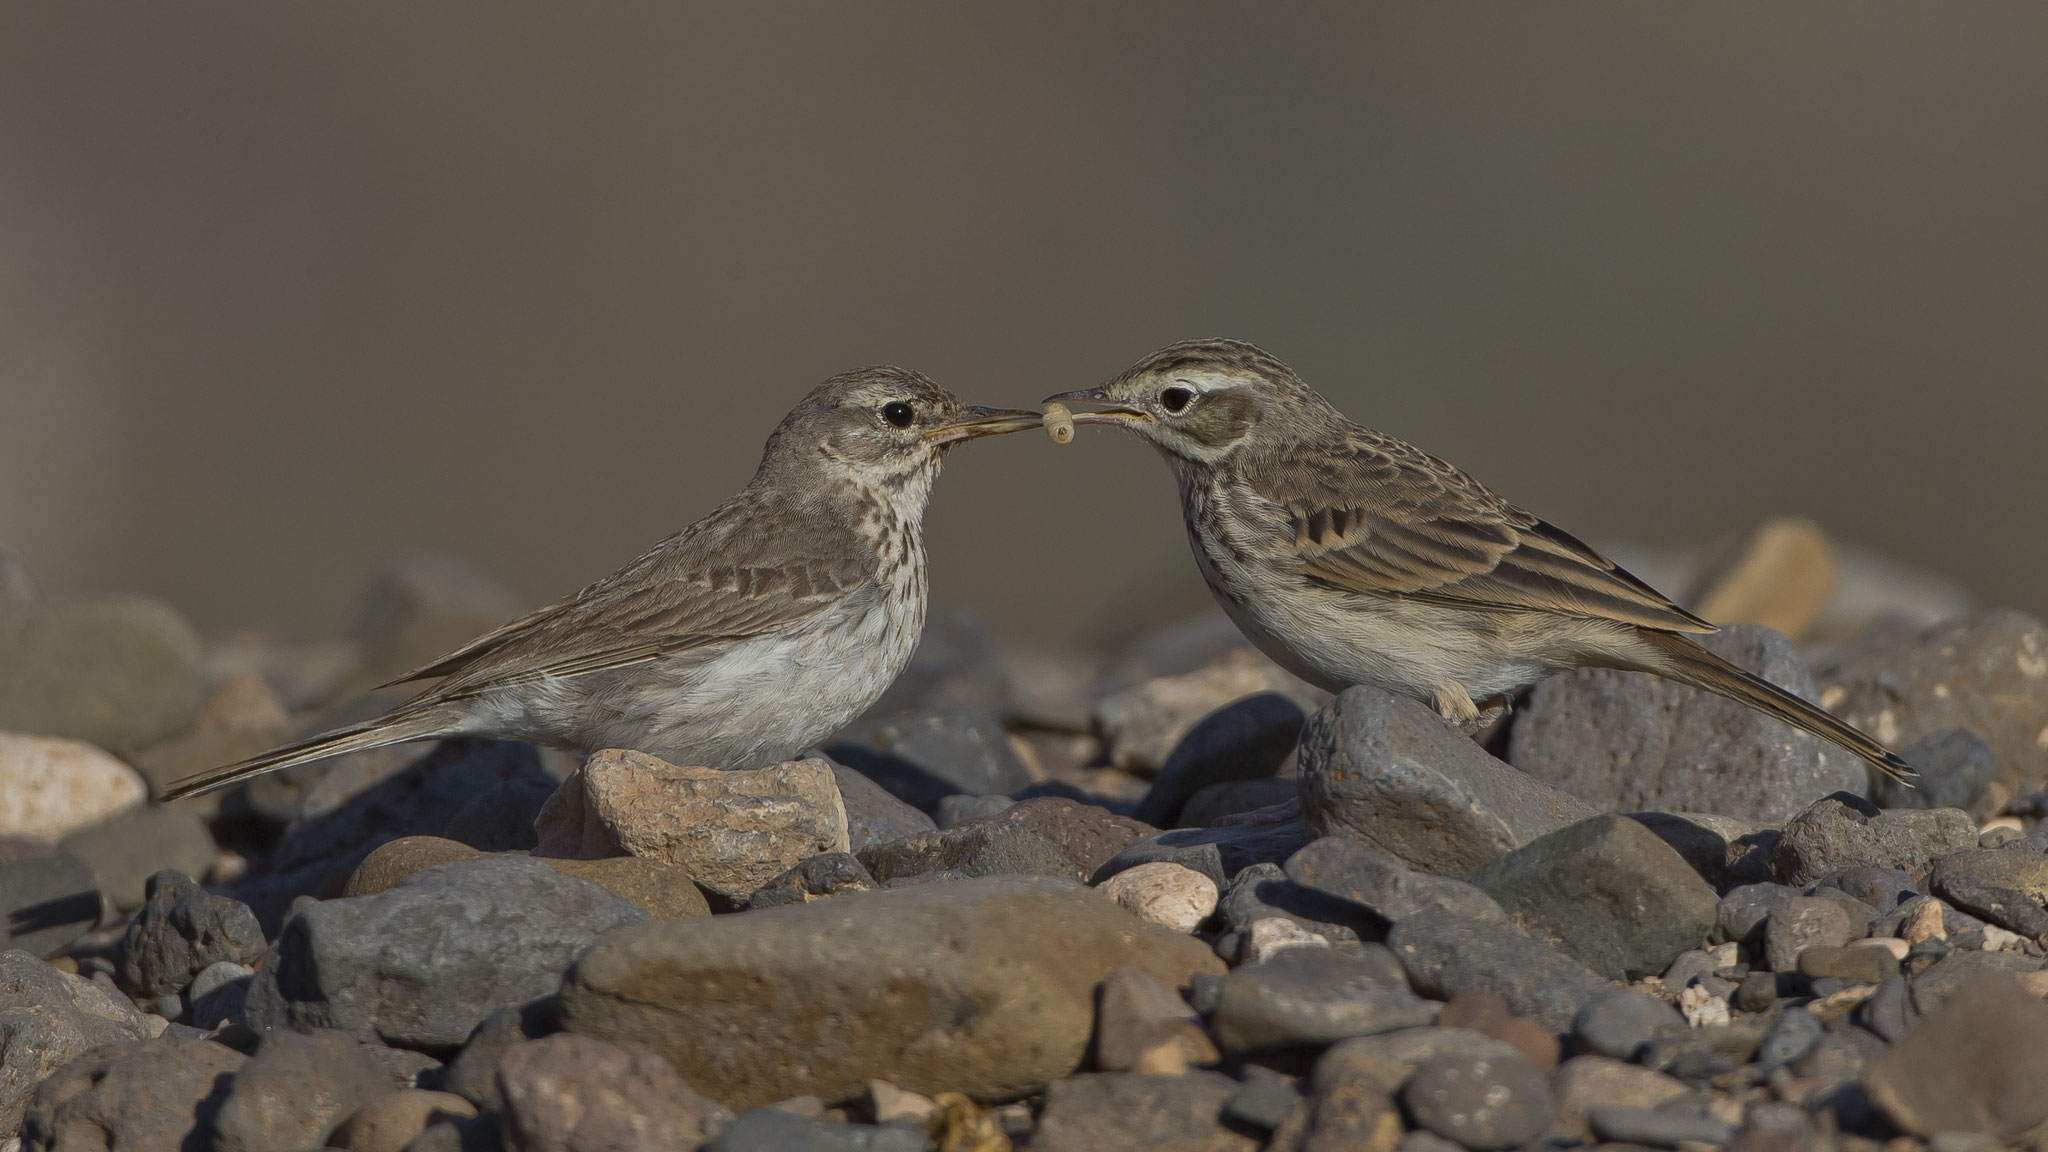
(1955, 766)
(1890, 1011)
(1857, 965)
(126, 850)
(919, 759)
(1218, 802)
(1608, 892)
(1631, 742)
(1791, 1037)
(422, 964)
(1882, 889)
(1713, 846)
(181, 931)
(961, 808)
(1089, 834)
(1845, 831)
(1742, 913)
(1263, 891)
(987, 848)
(148, 1095)
(1351, 871)
(1759, 990)
(1220, 853)
(501, 819)
(773, 1130)
(1247, 739)
(1933, 987)
(1656, 1127)
(2003, 885)
(1839, 1056)
(1096, 1111)
(48, 899)
(873, 814)
(814, 878)
(1313, 997)
(473, 1074)
(1388, 771)
(48, 1019)
(296, 1090)
(1262, 1103)
(1482, 1102)
(1445, 954)
(1622, 1023)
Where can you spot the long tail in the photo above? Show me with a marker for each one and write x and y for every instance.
(395, 728)
(1694, 665)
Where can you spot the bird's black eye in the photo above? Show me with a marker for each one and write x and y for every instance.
(1176, 399)
(898, 413)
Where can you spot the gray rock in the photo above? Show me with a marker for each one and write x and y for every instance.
(501, 818)
(128, 849)
(1262, 1103)
(1445, 954)
(773, 1130)
(47, 898)
(1389, 772)
(218, 993)
(156, 1095)
(961, 808)
(987, 848)
(1121, 1110)
(1879, 889)
(1263, 890)
(1144, 723)
(1970, 1066)
(2005, 886)
(1955, 766)
(1218, 802)
(873, 816)
(1348, 870)
(181, 930)
(1793, 1036)
(981, 986)
(1385, 1062)
(1742, 913)
(47, 1019)
(1890, 1011)
(296, 1090)
(1629, 741)
(1958, 970)
(1312, 997)
(120, 674)
(1089, 834)
(1248, 739)
(1268, 836)
(826, 874)
(1657, 1127)
(1623, 1023)
(923, 758)
(473, 1074)
(566, 1093)
(1843, 831)
(1717, 848)
(1608, 892)
(1805, 922)
(1482, 1102)
(422, 964)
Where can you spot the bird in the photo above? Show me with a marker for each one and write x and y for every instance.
(736, 643)
(1351, 557)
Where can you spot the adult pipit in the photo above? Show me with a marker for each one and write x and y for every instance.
(739, 641)
(1350, 557)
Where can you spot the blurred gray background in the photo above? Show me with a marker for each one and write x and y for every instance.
(286, 289)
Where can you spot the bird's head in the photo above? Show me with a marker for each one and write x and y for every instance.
(1199, 401)
(883, 427)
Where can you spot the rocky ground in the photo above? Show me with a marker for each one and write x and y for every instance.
(1175, 901)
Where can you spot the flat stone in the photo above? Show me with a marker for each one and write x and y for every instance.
(151, 1095)
(1143, 1026)
(814, 878)
(47, 898)
(1861, 965)
(1218, 802)
(1480, 1101)
(1267, 836)
(420, 965)
(774, 1130)
(1247, 739)
(1965, 1067)
(1445, 954)
(2006, 886)
(1104, 1110)
(1805, 922)
(182, 930)
(1144, 723)
(1623, 1023)
(873, 816)
(1657, 1128)
(1313, 997)
(1838, 832)
(1090, 835)
(986, 848)
(1583, 1083)
(1385, 1061)
(1263, 1103)
(1352, 871)
(296, 1090)
(960, 808)
(1388, 771)
(390, 863)
(568, 1092)
(117, 674)
(979, 986)
(220, 992)
(1605, 891)
(1167, 894)
(730, 831)
(390, 1122)
(473, 1073)
(48, 1019)
(51, 786)
(125, 850)
(1955, 768)
(1934, 987)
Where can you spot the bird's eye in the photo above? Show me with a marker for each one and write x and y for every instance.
(898, 413)
(1176, 399)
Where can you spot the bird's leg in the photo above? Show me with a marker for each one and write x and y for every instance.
(1455, 704)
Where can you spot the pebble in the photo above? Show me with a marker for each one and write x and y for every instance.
(2005, 886)
(218, 993)
(1246, 740)
(1167, 894)
(1744, 911)
(772, 1130)
(1955, 769)
(1703, 1007)
(1314, 997)
(813, 878)
(1613, 895)
(1220, 853)
(1218, 802)
(1933, 987)
(296, 1090)
(1622, 1023)
(473, 1073)
(1013, 962)
(731, 832)
(1629, 742)
(873, 815)
(1263, 892)
(49, 1018)
(1862, 965)
(984, 848)
(1096, 1111)
(1350, 870)
(1387, 771)
(47, 898)
(391, 1121)
(566, 1092)
(422, 964)
(51, 786)
(960, 808)
(501, 818)
(1089, 834)
(125, 850)
(892, 1105)
(1845, 831)
(1791, 1037)
(142, 1094)
(180, 932)
(1805, 922)
(1144, 723)
(116, 674)
(1270, 936)
(1583, 1083)
(1263, 1103)
(1925, 923)
(1143, 1026)
(1960, 1068)
(1445, 954)
(240, 718)
(1657, 1128)
(1782, 576)
(924, 756)
(1480, 1101)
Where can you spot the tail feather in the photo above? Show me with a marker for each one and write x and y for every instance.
(1691, 664)
(385, 730)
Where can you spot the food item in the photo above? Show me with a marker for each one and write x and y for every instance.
(1059, 423)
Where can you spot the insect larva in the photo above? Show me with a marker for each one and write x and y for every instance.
(1059, 423)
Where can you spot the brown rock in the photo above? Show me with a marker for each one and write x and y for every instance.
(147, 1095)
(569, 1093)
(1586, 1082)
(1144, 1026)
(730, 831)
(1087, 833)
(1120, 1110)
(1975, 1065)
(982, 986)
(50, 786)
(383, 868)
(389, 1123)
(663, 891)
(1529, 1038)
(1781, 576)
(1168, 894)
(1349, 1115)
(1805, 922)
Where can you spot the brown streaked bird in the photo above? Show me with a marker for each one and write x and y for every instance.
(741, 640)
(1351, 557)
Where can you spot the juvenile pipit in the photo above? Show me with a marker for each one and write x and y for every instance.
(739, 641)
(1350, 557)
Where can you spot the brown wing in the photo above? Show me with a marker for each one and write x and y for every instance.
(1386, 519)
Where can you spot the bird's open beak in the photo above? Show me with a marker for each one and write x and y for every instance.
(976, 421)
(1115, 415)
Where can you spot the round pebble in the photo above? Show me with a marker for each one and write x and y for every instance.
(1480, 1101)
(1165, 893)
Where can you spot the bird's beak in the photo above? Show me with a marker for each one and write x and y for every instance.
(1115, 415)
(976, 421)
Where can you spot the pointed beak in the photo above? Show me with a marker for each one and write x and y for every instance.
(1114, 415)
(974, 422)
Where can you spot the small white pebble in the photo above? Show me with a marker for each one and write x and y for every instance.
(1725, 955)
(1891, 944)
(1925, 923)
(1997, 939)
(2035, 982)
(1059, 423)
(1702, 1008)
(1165, 893)
(1829, 1007)
(1274, 935)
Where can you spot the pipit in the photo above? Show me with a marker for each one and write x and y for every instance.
(741, 640)
(1350, 557)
